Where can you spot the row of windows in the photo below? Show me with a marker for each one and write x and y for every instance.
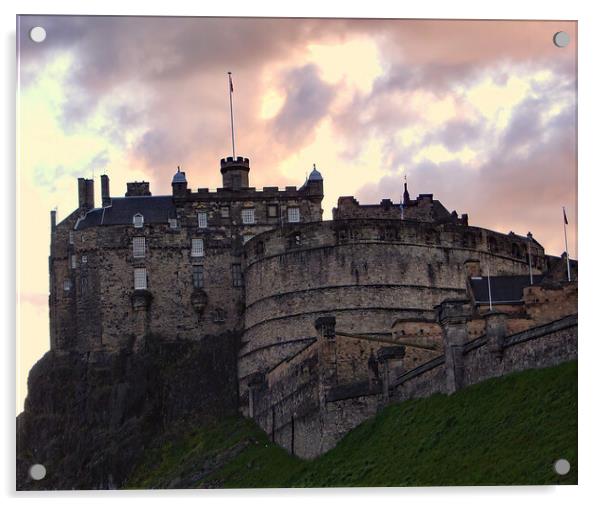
(247, 216)
(197, 249)
(198, 277)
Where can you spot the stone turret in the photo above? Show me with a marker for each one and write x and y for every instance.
(179, 184)
(235, 172)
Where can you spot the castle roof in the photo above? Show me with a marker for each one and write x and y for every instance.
(503, 288)
(155, 209)
(315, 175)
(179, 177)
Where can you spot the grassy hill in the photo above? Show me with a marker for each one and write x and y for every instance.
(505, 431)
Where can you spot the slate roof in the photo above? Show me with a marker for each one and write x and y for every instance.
(503, 288)
(122, 210)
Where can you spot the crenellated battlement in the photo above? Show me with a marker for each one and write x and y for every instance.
(230, 161)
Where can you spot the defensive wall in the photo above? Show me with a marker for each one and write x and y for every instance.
(307, 402)
(367, 273)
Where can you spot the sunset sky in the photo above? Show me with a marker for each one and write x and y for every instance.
(480, 113)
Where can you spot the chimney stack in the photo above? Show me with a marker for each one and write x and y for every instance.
(85, 193)
(104, 190)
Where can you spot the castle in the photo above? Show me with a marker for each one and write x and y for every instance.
(335, 318)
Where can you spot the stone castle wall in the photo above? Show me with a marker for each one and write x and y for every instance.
(366, 273)
(93, 303)
(308, 402)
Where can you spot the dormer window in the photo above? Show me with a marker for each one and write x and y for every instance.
(138, 220)
(202, 219)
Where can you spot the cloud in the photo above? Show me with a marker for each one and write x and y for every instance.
(526, 179)
(307, 102)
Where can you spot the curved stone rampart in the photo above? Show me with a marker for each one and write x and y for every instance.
(366, 273)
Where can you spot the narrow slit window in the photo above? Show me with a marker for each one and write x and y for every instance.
(202, 219)
(237, 275)
(197, 276)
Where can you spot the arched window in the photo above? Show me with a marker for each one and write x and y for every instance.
(492, 244)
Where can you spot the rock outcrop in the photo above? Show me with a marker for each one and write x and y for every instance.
(88, 416)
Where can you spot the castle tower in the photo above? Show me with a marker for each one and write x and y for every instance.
(179, 185)
(235, 172)
(315, 182)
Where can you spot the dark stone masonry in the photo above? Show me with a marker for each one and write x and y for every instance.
(322, 322)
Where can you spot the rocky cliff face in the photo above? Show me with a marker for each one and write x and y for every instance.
(89, 416)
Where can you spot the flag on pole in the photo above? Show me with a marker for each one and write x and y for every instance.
(566, 222)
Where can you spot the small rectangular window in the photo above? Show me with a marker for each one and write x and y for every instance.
(139, 247)
(173, 223)
(272, 211)
(67, 285)
(197, 276)
(84, 259)
(202, 219)
(140, 279)
(293, 214)
(73, 261)
(224, 211)
(248, 216)
(70, 237)
(236, 275)
(197, 248)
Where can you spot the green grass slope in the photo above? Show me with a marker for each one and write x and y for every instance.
(505, 431)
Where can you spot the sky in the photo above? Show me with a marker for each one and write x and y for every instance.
(480, 113)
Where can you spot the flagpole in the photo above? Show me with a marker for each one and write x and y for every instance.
(566, 247)
(530, 236)
(489, 288)
(230, 87)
